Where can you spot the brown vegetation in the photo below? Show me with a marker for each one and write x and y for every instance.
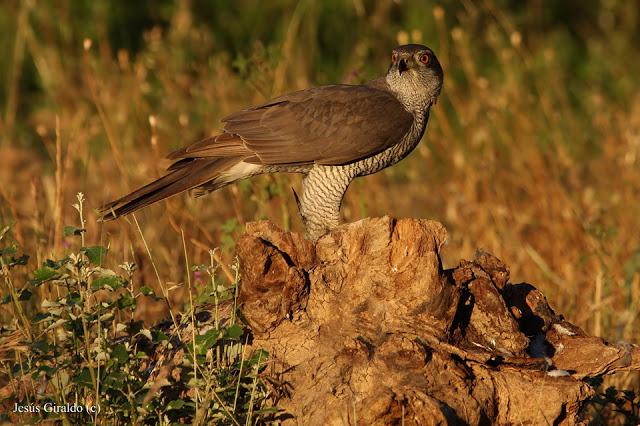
(532, 152)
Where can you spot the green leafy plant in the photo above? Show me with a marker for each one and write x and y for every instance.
(85, 359)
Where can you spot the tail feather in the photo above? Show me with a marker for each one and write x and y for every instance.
(180, 178)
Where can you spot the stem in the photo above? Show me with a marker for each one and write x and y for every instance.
(18, 311)
(193, 320)
(165, 292)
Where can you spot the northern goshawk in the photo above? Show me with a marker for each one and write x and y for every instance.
(330, 134)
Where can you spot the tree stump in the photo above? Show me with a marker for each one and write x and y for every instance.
(365, 327)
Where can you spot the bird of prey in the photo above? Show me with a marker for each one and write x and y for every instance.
(331, 134)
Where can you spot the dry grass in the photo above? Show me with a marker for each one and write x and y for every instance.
(533, 152)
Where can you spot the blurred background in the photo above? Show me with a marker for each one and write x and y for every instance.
(532, 152)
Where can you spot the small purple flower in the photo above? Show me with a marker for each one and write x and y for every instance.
(197, 274)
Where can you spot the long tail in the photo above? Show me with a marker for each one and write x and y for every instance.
(183, 176)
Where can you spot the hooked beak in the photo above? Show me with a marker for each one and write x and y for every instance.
(402, 66)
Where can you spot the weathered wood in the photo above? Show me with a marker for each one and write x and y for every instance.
(365, 327)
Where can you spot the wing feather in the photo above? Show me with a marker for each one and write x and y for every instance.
(329, 125)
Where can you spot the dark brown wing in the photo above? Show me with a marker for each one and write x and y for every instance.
(328, 125)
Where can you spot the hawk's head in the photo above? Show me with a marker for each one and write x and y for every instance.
(415, 75)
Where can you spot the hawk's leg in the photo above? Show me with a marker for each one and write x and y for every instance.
(324, 188)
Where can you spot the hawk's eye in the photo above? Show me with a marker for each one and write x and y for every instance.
(424, 58)
(394, 58)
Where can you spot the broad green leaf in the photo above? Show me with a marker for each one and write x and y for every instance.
(95, 254)
(83, 378)
(115, 379)
(120, 353)
(41, 346)
(176, 404)
(159, 336)
(74, 298)
(72, 230)
(147, 291)
(233, 332)
(207, 340)
(108, 282)
(42, 275)
(6, 251)
(125, 301)
(53, 264)
(260, 355)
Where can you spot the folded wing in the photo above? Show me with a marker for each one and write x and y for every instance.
(329, 125)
